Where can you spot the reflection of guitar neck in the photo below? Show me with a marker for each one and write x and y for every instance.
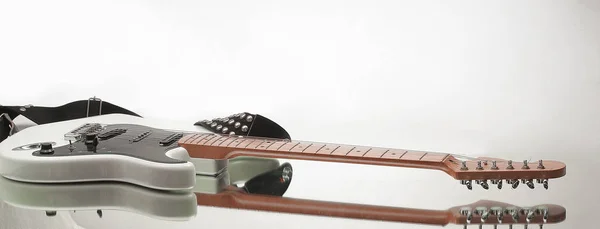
(481, 212)
(213, 146)
(238, 200)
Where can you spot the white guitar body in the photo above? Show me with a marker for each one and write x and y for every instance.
(17, 160)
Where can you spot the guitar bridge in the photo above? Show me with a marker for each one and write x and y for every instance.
(77, 133)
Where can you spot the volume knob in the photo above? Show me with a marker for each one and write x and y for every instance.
(46, 148)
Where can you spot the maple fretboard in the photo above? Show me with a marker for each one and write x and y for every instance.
(214, 146)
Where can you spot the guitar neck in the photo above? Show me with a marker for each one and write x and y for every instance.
(212, 146)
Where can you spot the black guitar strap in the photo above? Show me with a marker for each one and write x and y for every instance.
(43, 115)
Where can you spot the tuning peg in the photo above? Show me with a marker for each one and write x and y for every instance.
(525, 165)
(498, 212)
(540, 165)
(510, 166)
(467, 183)
(514, 213)
(546, 183)
(466, 211)
(494, 167)
(479, 167)
(530, 184)
(483, 184)
(464, 166)
(513, 182)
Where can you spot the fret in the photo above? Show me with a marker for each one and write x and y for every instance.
(434, 157)
(185, 138)
(314, 148)
(287, 147)
(376, 152)
(228, 141)
(213, 140)
(300, 147)
(358, 151)
(275, 146)
(265, 145)
(254, 144)
(198, 139)
(413, 155)
(208, 138)
(245, 143)
(343, 150)
(327, 149)
(219, 141)
(394, 154)
(236, 142)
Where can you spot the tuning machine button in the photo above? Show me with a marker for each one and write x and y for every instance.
(91, 141)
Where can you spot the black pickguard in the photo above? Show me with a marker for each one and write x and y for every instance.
(136, 141)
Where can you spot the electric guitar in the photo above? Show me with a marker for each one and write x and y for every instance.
(127, 148)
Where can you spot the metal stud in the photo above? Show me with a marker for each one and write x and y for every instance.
(525, 165)
(231, 133)
(510, 166)
(249, 118)
(244, 128)
(237, 125)
(540, 165)
(479, 167)
(225, 129)
(242, 116)
(219, 127)
(213, 125)
(231, 121)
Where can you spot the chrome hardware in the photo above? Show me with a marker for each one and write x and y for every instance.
(219, 127)
(464, 166)
(479, 167)
(494, 167)
(242, 116)
(483, 184)
(213, 125)
(87, 114)
(237, 125)
(525, 165)
(468, 183)
(513, 212)
(225, 129)
(546, 183)
(540, 165)
(530, 184)
(231, 121)
(244, 128)
(510, 166)
(249, 118)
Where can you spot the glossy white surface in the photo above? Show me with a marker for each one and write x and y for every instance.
(510, 79)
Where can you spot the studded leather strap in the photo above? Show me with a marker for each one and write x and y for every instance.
(245, 124)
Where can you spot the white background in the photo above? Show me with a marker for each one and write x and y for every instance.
(511, 79)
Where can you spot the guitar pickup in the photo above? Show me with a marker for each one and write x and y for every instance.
(141, 136)
(111, 134)
(170, 139)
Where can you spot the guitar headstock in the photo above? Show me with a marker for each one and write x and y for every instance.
(481, 170)
(487, 212)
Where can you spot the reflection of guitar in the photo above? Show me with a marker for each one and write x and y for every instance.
(119, 147)
(111, 197)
